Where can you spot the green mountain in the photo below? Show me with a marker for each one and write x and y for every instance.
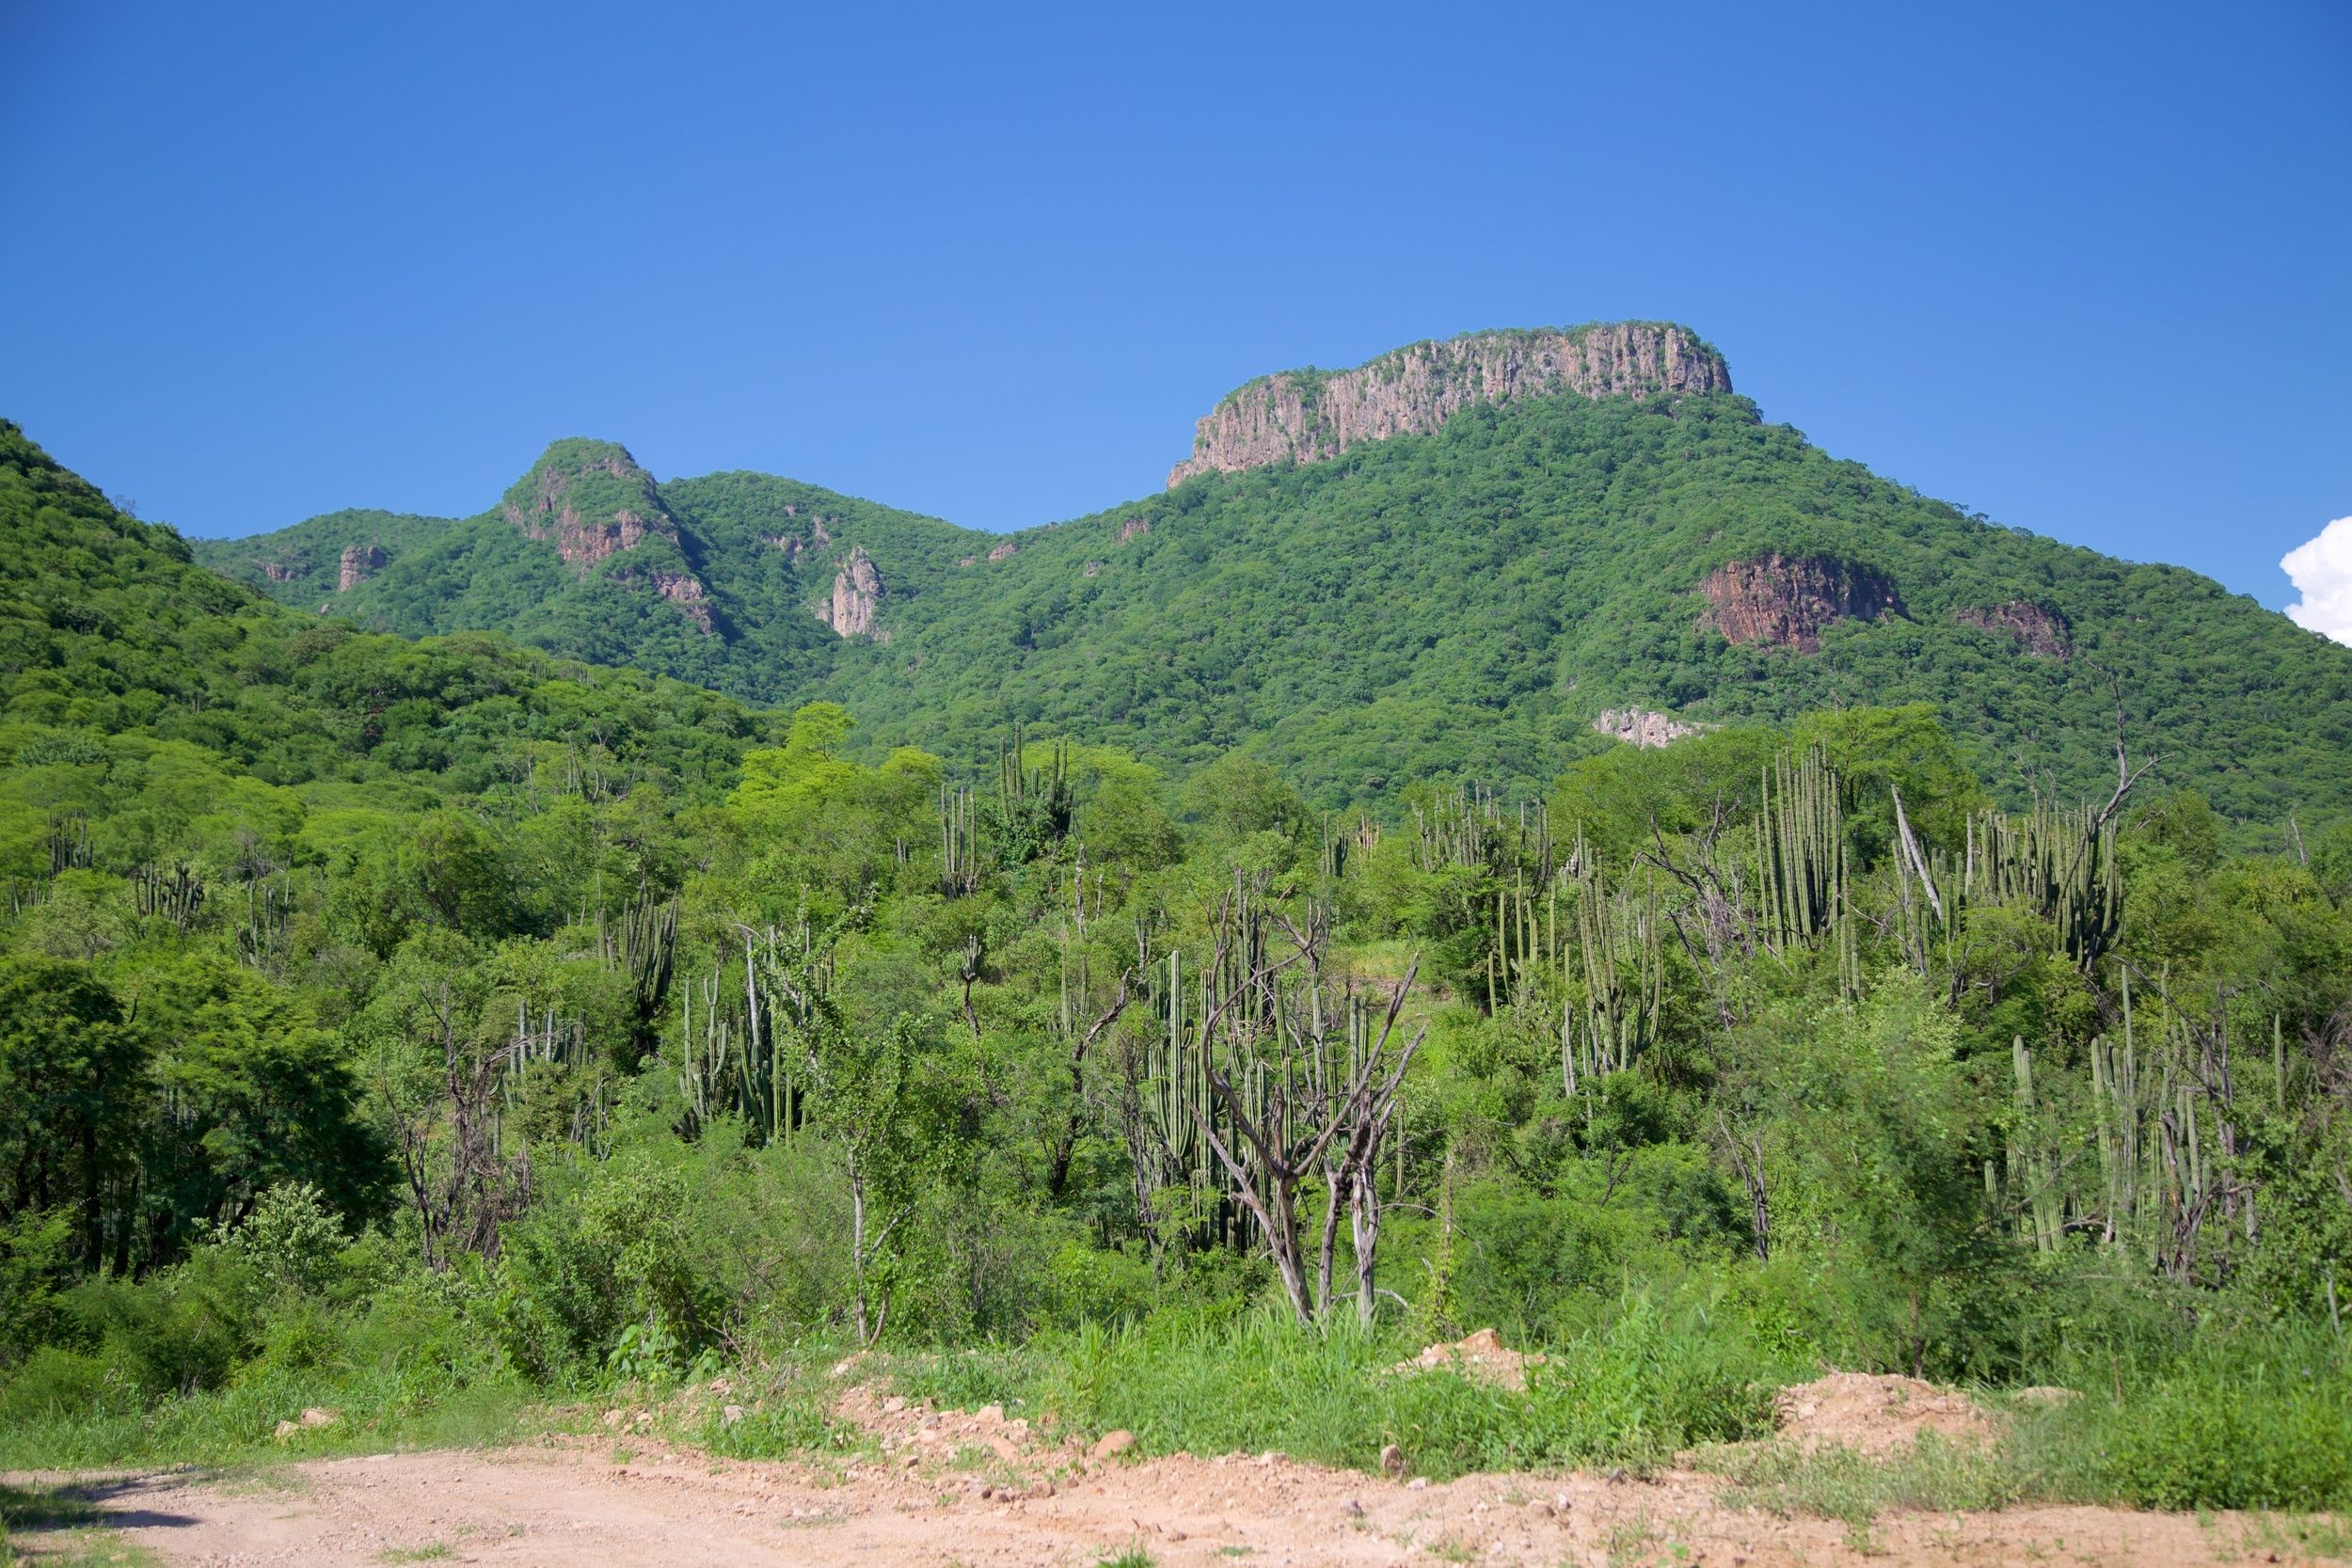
(211, 697)
(1483, 558)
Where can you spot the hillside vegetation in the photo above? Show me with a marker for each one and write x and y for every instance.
(1460, 604)
(402, 1028)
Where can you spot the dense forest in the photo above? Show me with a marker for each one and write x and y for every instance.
(1463, 604)
(410, 1023)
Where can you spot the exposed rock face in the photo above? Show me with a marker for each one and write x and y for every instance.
(1640, 727)
(278, 571)
(857, 593)
(359, 562)
(572, 500)
(592, 502)
(1786, 601)
(1134, 528)
(2040, 630)
(1004, 550)
(1300, 416)
(1091, 569)
(686, 592)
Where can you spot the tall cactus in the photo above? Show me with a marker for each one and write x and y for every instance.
(2058, 862)
(1620, 946)
(959, 853)
(1800, 850)
(1034, 808)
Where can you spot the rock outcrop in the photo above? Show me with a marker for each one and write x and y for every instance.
(591, 500)
(857, 594)
(1642, 727)
(1004, 551)
(2040, 630)
(1300, 416)
(1786, 601)
(1134, 528)
(278, 571)
(685, 590)
(359, 562)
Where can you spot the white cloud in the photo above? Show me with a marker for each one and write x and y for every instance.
(2322, 568)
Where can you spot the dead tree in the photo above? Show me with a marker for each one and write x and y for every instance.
(1306, 1086)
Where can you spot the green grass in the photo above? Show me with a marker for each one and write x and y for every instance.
(1839, 1483)
(2246, 1418)
(779, 1427)
(435, 1551)
(238, 1423)
(1631, 1394)
(57, 1527)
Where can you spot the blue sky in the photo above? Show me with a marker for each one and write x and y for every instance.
(2083, 267)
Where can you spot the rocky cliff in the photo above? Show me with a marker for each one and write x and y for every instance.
(857, 592)
(1787, 601)
(1306, 416)
(358, 563)
(2040, 631)
(590, 499)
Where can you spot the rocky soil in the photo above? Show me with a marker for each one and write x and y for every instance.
(937, 1487)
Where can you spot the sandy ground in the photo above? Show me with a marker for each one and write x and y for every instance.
(573, 1502)
(937, 1487)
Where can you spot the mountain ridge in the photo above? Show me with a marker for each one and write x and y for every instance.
(1466, 601)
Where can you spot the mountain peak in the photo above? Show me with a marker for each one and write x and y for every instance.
(589, 499)
(1305, 415)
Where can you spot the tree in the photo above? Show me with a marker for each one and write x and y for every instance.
(74, 1098)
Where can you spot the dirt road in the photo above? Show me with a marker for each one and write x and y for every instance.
(578, 1501)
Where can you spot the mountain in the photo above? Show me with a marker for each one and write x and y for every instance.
(1482, 557)
(727, 581)
(125, 666)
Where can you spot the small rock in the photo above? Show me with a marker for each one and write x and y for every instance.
(1559, 1502)
(892, 1405)
(314, 1417)
(1419, 1483)
(614, 1418)
(913, 1459)
(1353, 1509)
(287, 1429)
(2044, 1395)
(990, 1413)
(731, 1415)
(1268, 1457)
(1112, 1444)
(1392, 1462)
(1040, 1488)
(721, 1385)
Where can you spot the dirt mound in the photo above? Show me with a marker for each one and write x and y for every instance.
(1480, 1357)
(913, 1430)
(1872, 1413)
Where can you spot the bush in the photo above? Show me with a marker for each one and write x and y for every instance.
(2253, 1417)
